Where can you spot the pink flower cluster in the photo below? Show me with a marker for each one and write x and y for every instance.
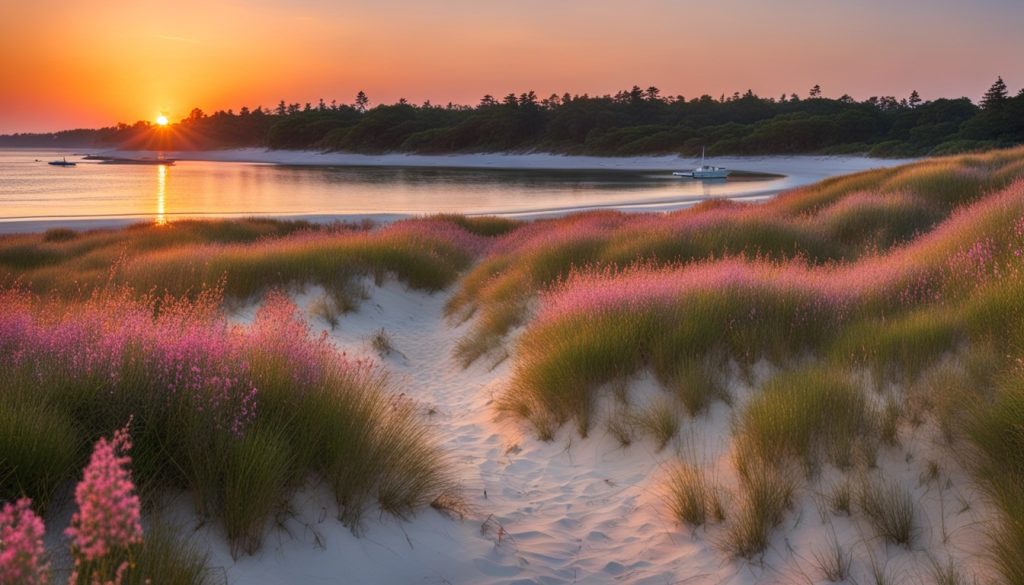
(187, 355)
(430, 232)
(21, 546)
(108, 521)
(187, 352)
(821, 292)
(108, 517)
(281, 336)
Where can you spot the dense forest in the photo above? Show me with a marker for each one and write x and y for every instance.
(633, 122)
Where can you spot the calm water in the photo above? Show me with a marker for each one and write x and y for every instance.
(34, 195)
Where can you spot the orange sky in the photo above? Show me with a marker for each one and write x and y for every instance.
(77, 63)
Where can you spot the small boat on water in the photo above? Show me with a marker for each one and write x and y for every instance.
(62, 163)
(704, 171)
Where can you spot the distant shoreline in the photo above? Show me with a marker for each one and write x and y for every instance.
(747, 166)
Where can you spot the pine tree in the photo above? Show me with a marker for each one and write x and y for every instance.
(996, 95)
(362, 101)
(815, 91)
(915, 99)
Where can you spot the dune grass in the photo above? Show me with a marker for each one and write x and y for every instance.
(248, 256)
(255, 474)
(837, 220)
(164, 558)
(238, 415)
(659, 419)
(915, 284)
(890, 508)
(808, 417)
(693, 497)
(840, 497)
(947, 574)
(996, 430)
(40, 444)
(876, 221)
(766, 493)
(696, 384)
(898, 312)
(325, 308)
(238, 418)
(381, 342)
(833, 561)
(813, 198)
(619, 424)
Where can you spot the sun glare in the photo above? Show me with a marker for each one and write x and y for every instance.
(161, 120)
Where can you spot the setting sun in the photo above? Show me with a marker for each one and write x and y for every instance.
(161, 120)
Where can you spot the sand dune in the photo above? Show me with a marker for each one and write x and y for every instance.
(572, 510)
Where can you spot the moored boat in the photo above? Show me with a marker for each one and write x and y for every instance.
(704, 171)
(62, 163)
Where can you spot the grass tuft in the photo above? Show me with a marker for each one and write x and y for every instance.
(693, 497)
(889, 506)
(889, 424)
(947, 574)
(660, 420)
(165, 558)
(833, 561)
(806, 416)
(40, 448)
(325, 308)
(619, 424)
(256, 473)
(841, 497)
(696, 386)
(766, 493)
(996, 431)
(381, 342)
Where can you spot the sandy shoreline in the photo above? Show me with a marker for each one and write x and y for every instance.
(825, 165)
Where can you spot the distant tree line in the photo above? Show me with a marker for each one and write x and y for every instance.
(631, 122)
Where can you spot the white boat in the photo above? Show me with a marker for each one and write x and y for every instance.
(704, 171)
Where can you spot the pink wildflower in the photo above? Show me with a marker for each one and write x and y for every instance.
(21, 545)
(108, 508)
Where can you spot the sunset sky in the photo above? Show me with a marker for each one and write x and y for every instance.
(77, 63)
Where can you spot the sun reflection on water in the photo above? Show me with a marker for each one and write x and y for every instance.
(161, 195)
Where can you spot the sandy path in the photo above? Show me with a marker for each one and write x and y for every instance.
(568, 511)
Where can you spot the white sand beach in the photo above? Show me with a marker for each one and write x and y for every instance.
(819, 165)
